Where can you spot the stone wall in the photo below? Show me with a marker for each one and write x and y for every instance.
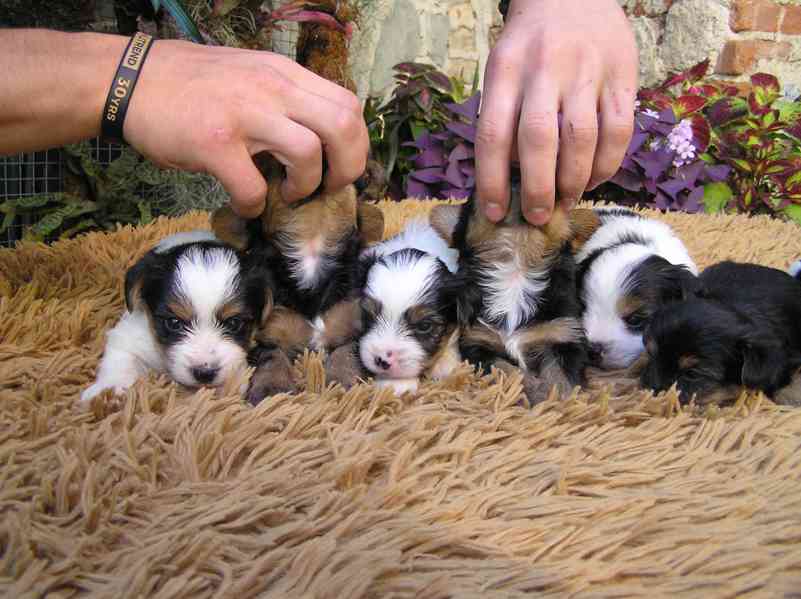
(739, 36)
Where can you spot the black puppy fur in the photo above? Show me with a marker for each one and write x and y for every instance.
(742, 328)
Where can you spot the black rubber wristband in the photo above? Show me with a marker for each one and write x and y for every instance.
(122, 88)
(503, 8)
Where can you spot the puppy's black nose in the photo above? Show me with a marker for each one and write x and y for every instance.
(382, 363)
(596, 351)
(204, 375)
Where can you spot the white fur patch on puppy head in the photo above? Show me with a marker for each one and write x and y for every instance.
(408, 303)
(621, 288)
(201, 306)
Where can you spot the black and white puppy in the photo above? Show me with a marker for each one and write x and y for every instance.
(628, 268)
(518, 303)
(743, 329)
(409, 308)
(191, 306)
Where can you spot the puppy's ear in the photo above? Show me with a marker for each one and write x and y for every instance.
(765, 364)
(443, 219)
(583, 223)
(231, 228)
(259, 281)
(135, 280)
(673, 281)
(370, 220)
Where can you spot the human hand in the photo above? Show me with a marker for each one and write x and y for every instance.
(209, 109)
(571, 57)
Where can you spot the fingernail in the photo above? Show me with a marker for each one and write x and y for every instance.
(538, 216)
(494, 211)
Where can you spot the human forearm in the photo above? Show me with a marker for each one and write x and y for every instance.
(54, 86)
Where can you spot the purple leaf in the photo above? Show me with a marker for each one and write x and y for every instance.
(461, 152)
(637, 140)
(629, 165)
(662, 201)
(456, 193)
(717, 172)
(650, 186)
(416, 189)
(468, 170)
(453, 175)
(427, 175)
(663, 129)
(429, 158)
(467, 132)
(672, 187)
(627, 180)
(470, 183)
(440, 136)
(689, 173)
(694, 199)
(668, 116)
(468, 108)
(655, 162)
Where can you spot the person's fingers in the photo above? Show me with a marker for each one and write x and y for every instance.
(293, 145)
(577, 141)
(616, 126)
(537, 139)
(496, 130)
(341, 129)
(242, 180)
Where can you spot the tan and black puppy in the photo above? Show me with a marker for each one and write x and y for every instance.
(314, 246)
(519, 303)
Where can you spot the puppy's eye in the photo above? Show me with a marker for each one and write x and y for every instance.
(173, 325)
(636, 320)
(424, 327)
(234, 325)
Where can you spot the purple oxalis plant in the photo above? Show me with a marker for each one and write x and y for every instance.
(663, 159)
(444, 165)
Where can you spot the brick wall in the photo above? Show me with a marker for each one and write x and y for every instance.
(740, 36)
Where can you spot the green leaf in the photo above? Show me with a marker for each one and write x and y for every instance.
(31, 202)
(145, 214)
(83, 225)
(716, 197)
(742, 165)
(48, 224)
(793, 212)
(183, 20)
(417, 128)
(8, 220)
(156, 5)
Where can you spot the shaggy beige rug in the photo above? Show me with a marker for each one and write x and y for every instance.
(453, 492)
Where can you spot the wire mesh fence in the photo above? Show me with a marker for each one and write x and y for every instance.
(38, 173)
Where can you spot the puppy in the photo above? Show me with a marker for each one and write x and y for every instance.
(518, 302)
(313, 246)
(409, 308)
(743, 329)
(192, 303)
(628, 268)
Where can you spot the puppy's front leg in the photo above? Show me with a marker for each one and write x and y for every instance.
(482, 347)
(130, 353)
(274, 374)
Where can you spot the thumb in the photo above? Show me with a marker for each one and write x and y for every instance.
(242, 180)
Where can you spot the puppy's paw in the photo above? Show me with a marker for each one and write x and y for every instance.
(343, 366)
(274, 374)
(399, 386)
(119, 387)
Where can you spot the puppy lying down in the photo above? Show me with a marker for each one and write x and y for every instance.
(408, 308)
(192, 303)
(742, 328)
(629, 267)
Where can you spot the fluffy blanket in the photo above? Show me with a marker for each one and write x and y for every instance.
(456, 491)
